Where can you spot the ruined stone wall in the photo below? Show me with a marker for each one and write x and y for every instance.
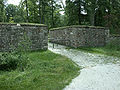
(77, 36)
(11, 35)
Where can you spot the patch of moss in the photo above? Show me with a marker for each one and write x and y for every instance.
(31, 24)
(77, 26)
(24, 24)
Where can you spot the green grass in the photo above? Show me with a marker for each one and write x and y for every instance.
(101, 50)
(111, 49)
(47, 71)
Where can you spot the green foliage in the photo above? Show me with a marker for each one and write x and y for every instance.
(94, 12)
(11, 12)
(11, 20)
(14, 13)
(42, 11)
(114, 44)
(75, 15)
(2, 11)
(17, 58)
(48, 71)
(13, 60)
(111, 49)
(105, 13)
(18, 19)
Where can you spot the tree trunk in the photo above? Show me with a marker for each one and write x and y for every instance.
(39, 11)
(42, 12)
(79, 14)
(92, 19)
(34, 15)
(52, 14)
(26, 10)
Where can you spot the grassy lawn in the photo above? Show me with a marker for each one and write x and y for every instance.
(101, 50)
(111, 49)
(47, 71)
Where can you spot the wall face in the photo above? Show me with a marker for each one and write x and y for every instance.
(11, 35)
(80, 36)
(65, 37)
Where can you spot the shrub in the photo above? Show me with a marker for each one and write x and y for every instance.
(11, 61)
(114, 44)
(17, 58)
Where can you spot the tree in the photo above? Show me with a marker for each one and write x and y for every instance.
(15, 13)
(10, 11)
(113, 15)
(52, 2)
(91, 8)
(26, 3)
(104, 13)
(40, 11)
(74, 15)
(2, 10)
(70, 13)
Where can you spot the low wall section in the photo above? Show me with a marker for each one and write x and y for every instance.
(11, 34)
(77, 36)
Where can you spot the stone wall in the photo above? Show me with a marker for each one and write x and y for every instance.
(114, 37)
(11, 34)
(77, 36)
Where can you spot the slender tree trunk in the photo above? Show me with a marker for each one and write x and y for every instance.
(92, 18)
(39, 11)
(79, 14)
(4, 16)
(2, 11)
(26, 9)
(42, 12)
(52, 14)
(34, 15)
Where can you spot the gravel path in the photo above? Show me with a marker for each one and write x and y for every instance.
(99, 71)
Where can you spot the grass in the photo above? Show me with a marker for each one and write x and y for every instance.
(101, 50)
(111, 49)
(47, 71)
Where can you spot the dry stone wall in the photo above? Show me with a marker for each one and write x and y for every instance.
(77, 36)
(11, 34)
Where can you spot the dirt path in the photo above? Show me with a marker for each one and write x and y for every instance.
(99, 71)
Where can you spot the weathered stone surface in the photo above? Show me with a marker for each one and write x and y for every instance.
(10, 34)
(80, 36)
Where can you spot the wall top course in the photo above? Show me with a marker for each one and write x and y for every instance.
(114, 35)
(78, 26)
(23, 24)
